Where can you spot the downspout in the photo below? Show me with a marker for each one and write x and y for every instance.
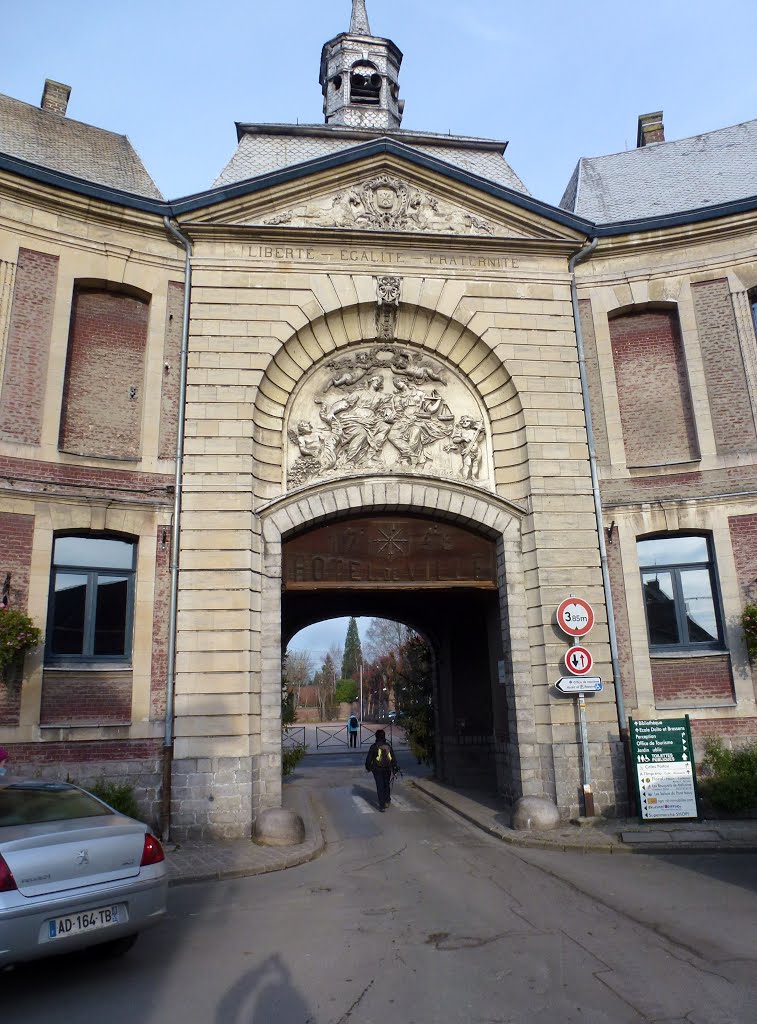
(165, 809)
(579, 257)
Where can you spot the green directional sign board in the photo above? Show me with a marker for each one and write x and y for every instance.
(666, 781)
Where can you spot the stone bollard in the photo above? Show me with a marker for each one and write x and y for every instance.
(279, 827)
(535, 814)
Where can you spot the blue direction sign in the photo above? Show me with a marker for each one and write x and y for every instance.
(579, 684)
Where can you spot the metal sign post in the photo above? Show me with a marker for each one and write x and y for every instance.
(575, 617)
(588, 791)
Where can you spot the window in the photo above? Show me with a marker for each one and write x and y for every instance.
(753, 304)
(678, 581)
(91, 599)
(365, 85)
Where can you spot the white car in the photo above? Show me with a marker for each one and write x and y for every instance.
(74, 873)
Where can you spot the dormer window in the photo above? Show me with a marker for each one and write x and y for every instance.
(365, 85)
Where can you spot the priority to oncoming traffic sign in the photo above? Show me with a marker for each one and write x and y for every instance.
(579, 661)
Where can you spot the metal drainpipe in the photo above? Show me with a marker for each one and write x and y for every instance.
(581, 255)
(165, 812)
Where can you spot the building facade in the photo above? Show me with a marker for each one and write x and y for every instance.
(367, 373)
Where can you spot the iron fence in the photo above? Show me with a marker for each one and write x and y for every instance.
(293, 736)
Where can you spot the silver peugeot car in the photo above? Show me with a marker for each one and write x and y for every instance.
(74, 873)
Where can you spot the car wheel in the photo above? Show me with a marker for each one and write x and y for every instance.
(116, 947)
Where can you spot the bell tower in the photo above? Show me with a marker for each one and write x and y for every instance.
(360, 77)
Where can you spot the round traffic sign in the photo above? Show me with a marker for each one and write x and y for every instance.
(575, 616)
(578, 661)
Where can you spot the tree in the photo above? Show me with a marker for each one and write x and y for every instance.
(346, 691)
(353, 654)
(298, 668)
(415, 697)
(384, 636)
(378, 684)
(324, 682)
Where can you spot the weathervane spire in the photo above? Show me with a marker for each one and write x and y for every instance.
(359, 22)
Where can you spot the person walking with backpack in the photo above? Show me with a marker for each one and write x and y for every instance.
(381, 761)
(353, 726)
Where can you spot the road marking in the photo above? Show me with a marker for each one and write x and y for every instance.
(362, 805)
(402, 804)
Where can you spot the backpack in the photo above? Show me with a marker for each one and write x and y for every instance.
(352, 724)
(384, 757)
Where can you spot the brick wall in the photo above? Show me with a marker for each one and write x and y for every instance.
(160, 611)
(56, 478)
(689, 681)
(169, 396)
(732, 417)
(653, 388)
(86, 697)
(102, 397)
(734, 732)
(25, 378)
(16, 535)
(730, 480)
(136, 762)
(744, 543)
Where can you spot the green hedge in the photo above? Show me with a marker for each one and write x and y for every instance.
(729, 778)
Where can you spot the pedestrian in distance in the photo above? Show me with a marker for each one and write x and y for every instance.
(353, 725)
(381, 761)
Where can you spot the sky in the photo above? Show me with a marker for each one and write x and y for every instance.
(558, 80)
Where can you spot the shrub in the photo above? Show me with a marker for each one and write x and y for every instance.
(18, 636)
(729, 780)
(118, 795)
(291, 757)
(749, 625)
(346, 691)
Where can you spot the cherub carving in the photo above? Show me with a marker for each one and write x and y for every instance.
(465, 439)
(419, 372)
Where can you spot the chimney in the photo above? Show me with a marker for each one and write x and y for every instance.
(651, 129)
(55, 97)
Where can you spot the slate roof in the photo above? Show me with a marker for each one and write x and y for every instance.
(264, 149)
(666, 177)
(56, 142)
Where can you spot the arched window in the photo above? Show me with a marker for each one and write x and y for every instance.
(680, 592)
(365, 85)
(91, 599)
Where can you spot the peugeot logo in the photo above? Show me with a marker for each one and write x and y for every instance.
(83, 857)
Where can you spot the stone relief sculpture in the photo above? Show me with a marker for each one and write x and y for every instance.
(386, 203)
(382, 408)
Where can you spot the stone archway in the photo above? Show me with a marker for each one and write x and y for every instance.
(439, 502)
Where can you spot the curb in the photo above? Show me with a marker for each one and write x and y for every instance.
(307, 851)
(544, 842)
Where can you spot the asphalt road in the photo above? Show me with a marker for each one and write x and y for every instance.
(415, 917)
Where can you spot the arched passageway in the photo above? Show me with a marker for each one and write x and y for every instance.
(438, 578)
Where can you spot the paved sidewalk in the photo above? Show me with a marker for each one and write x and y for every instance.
(207, 860)
(199, 861)
(597, 835)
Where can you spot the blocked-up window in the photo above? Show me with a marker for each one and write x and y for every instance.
(656, 410)
(103, 390)
(680, 593)
(91, 608)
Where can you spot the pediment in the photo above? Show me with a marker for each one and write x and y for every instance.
(389, 194)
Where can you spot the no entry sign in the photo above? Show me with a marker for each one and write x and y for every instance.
(578, 661)
(575, 616)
